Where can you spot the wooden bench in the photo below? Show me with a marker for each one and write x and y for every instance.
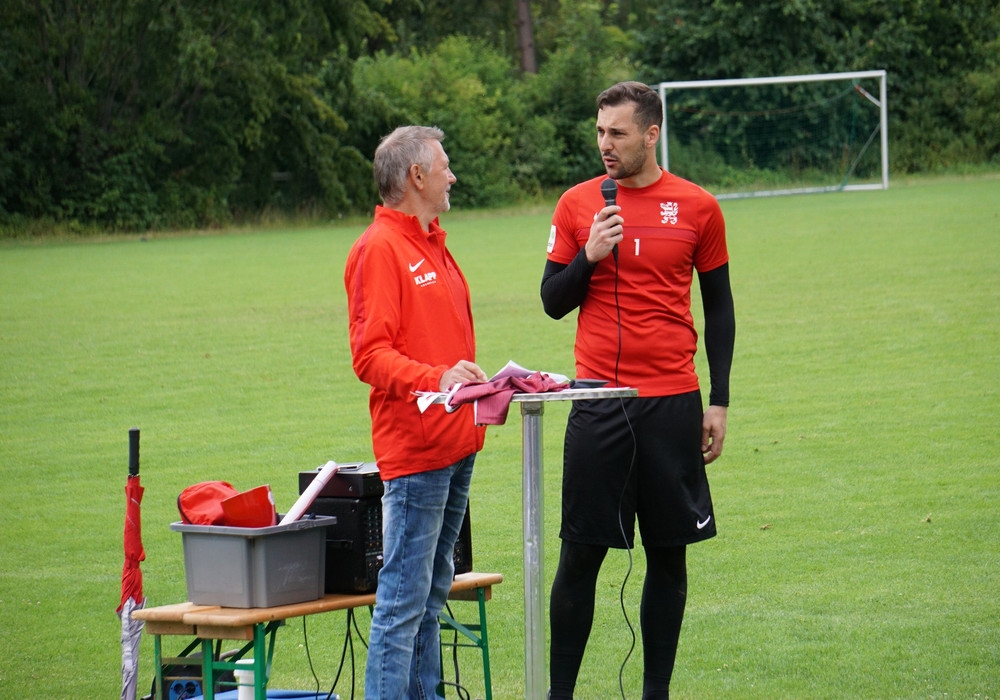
(257, 628)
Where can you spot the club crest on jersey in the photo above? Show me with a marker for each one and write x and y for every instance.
(668, 212)
(425, 279)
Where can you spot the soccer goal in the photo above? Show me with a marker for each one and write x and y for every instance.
(753, 137)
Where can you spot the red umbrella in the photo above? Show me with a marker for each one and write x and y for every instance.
(132, 598)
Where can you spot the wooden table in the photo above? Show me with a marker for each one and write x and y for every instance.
(257, 627)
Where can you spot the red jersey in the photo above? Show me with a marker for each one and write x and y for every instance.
(672, 228)
(410, 321)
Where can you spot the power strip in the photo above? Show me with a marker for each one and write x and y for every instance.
(182, 690)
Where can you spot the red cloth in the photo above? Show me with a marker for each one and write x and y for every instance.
(492, 399)
(201, 503)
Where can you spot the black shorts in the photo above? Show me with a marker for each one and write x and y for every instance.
(636, 458)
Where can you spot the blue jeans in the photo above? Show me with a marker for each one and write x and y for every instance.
(421, 517)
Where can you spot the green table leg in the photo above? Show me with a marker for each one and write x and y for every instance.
(207, 670)
(158, 661)
(484, 643)
(481, 641)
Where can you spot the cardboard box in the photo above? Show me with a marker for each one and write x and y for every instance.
(255, 567)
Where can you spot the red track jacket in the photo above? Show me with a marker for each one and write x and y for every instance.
(410, 321)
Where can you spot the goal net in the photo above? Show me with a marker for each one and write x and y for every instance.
(751, 137)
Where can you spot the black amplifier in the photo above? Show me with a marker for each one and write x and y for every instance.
(352, 480)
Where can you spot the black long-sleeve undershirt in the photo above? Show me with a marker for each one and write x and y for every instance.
(564, 288)
(720, 330)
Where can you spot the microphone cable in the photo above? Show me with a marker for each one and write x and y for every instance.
(621, 497)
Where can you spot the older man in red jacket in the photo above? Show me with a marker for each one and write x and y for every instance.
(411, 330)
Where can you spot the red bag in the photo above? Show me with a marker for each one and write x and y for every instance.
(201, 504)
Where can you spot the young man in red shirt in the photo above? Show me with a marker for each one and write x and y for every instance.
(629, 269)
(411, 330)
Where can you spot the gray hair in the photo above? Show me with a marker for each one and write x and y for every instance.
(406, 146)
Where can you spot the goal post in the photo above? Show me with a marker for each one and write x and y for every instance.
(752, 137)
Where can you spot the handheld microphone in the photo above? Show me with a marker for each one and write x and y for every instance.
(609, 190)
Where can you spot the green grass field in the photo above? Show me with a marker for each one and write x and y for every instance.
(857, 499)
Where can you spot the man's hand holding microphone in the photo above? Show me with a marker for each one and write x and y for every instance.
(606, 232)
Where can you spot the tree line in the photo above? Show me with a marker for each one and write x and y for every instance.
(142, 114)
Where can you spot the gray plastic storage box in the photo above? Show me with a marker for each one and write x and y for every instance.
(255, 567)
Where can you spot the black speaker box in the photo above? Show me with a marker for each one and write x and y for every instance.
(463, 546)
(354, 543)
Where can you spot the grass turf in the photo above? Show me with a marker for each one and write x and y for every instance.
(856, 499)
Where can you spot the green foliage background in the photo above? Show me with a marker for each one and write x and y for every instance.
(130, 115)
